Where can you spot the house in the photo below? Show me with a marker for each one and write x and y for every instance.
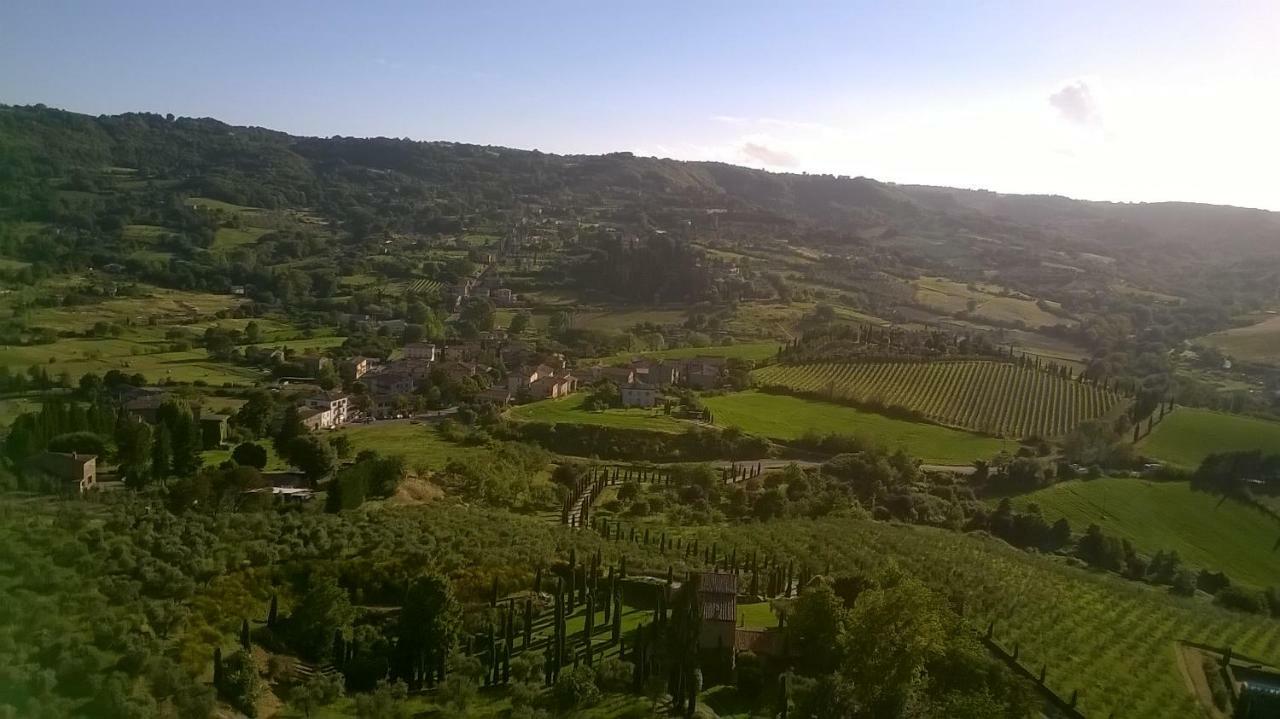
(70, 472)
(356, 367)
(558, 384)
(616, 375)
(391, 381)
(420, 351)
(718, 596)
(703, 372)
(458, 371)
(500, 396)
(639, 394)
(657, 372)
(462, 352)
(503, 297)
(315, 419)
(313, 365)
(334, 408)
(213, 429)
(144, 407)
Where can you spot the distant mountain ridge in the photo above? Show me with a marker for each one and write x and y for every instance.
(260, 166)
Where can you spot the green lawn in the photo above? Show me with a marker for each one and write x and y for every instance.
(214, 457)
(757, 616)
(569, 411)
(786, 418)
(1206, 531)
(420, 444)
(1189, 435)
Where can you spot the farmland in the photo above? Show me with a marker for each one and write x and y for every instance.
(1189, 435)
(787, 418)
(1205, 530)
(988, 303)
(1110, 639)
(425, 287)
(996, 398)
(754, 351)
(1257, 342)
(569, 411)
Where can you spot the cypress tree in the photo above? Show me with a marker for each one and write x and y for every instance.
(217, 668)
(274, 611)
(528, 622)
(244, 633)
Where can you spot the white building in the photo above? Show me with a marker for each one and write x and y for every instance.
(333, 410)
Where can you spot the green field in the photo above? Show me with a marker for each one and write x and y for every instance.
(420, 444)
(1258, 342)
(1189, 435)
(568, 410)
(1110, 639)
(229, 238)
(746, 351)
(995, 398)
(948, 296)
(1206, 531)
(625, 319)
(214, 457)
(786, 418)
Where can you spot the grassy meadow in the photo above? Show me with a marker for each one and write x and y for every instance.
(786, 418)
(420, 444)
(1258, 342)
(1189, 435)
(568, 410)
(1207, 531)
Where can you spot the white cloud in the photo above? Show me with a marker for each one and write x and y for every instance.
(1075, 103)
(768, 155)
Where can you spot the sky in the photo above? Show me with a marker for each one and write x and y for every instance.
(1125, 100)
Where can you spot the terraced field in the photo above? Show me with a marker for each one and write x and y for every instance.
(996, 398)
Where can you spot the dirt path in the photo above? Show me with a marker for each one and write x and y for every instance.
(1189, 666)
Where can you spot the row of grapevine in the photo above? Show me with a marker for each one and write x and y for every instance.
(425, 287)
(996, 398)
(1112, 640)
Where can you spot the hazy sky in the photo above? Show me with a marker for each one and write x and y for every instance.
(1119, 100)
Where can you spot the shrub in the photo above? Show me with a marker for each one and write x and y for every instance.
(576, 689)
(1239, 599)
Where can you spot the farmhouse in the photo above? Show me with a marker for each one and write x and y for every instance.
(718, 595)
(70, 472)
(542, 382)
(656, 372)
(639, 394)
(420, 351)
(616, 375)
(314, 364)
(144, 406)
(703, 372)
(213, 429)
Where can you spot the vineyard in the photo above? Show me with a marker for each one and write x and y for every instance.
(995, 398)
(424, 287)
(1111, 640)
